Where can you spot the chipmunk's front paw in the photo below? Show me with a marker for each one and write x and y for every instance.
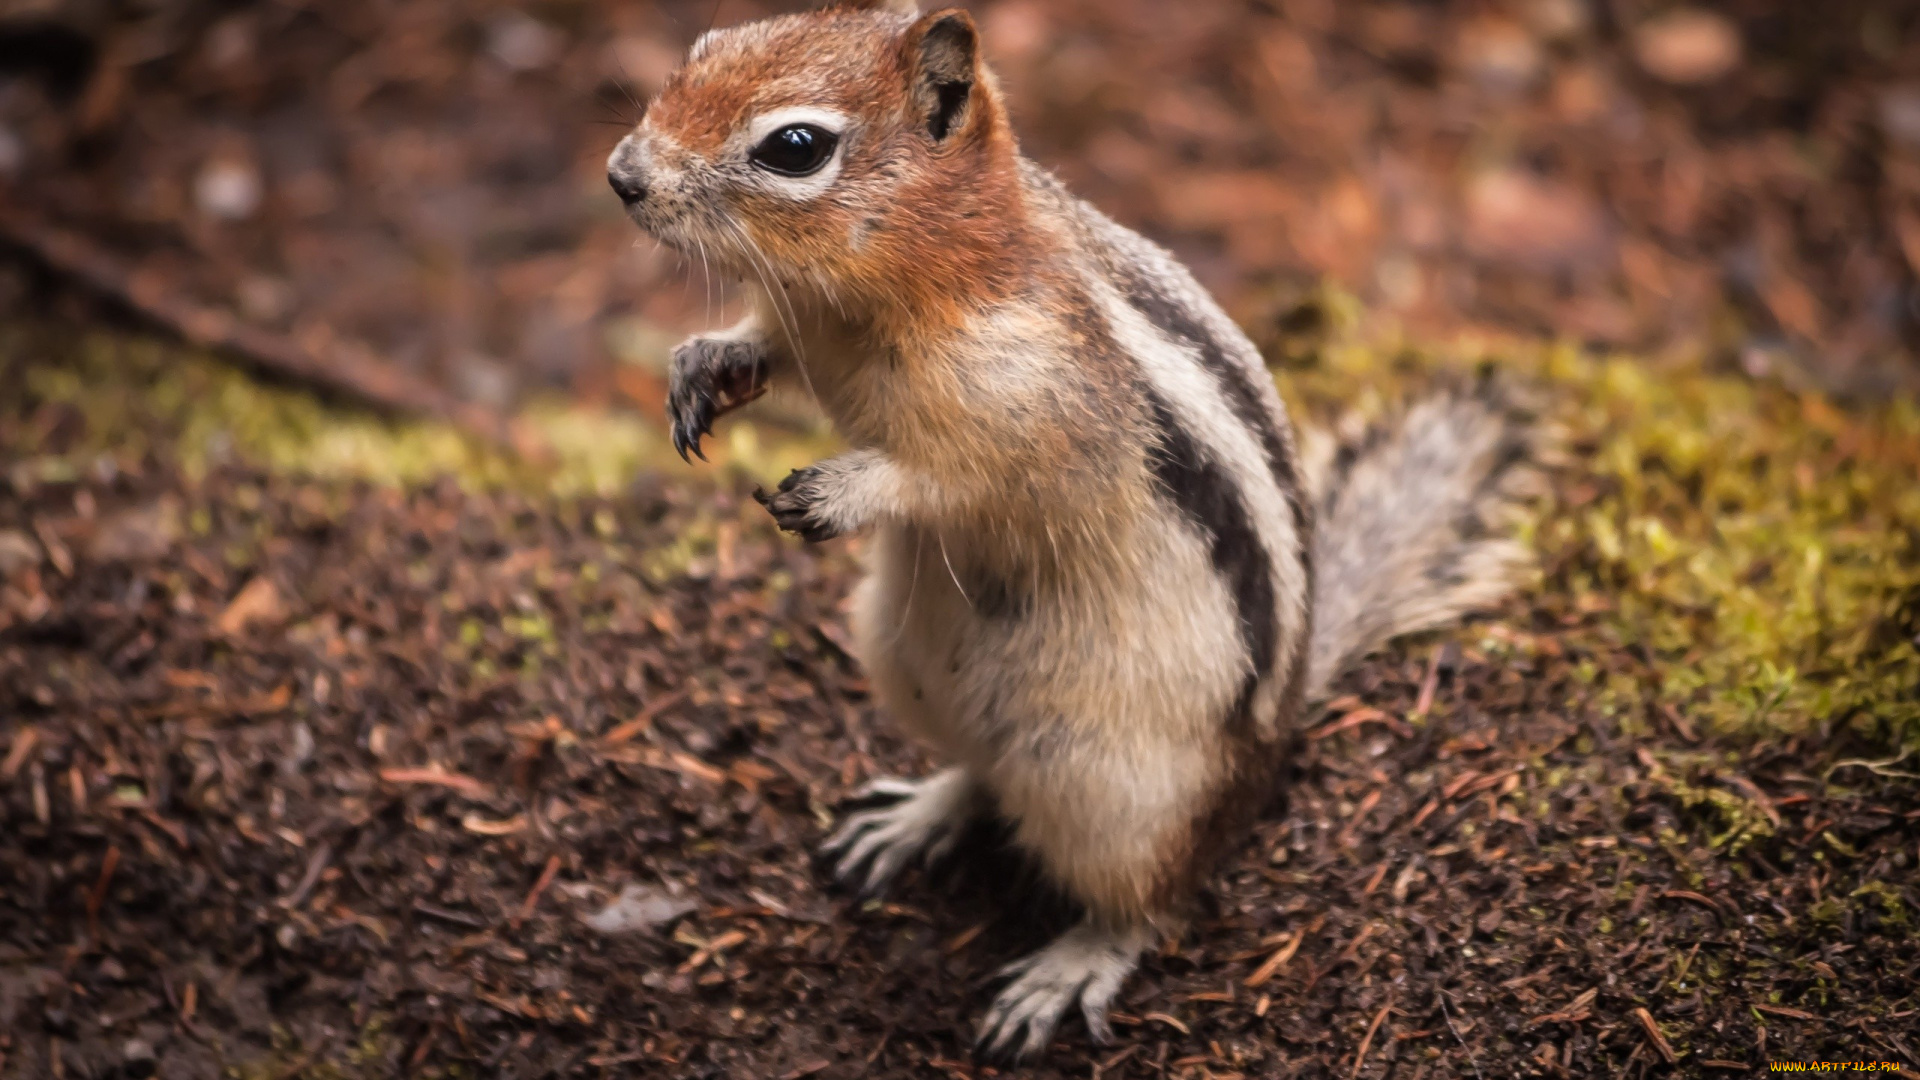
(799, 504)
(709, 378)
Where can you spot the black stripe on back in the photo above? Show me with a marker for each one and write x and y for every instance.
(1242, 396)
(1206, 497)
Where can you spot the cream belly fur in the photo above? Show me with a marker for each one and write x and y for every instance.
(1091, 717)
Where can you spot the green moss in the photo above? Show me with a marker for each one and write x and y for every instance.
(1763, 547)
(1742, 554)
(1893, 907)
(534, 627)
(1828, 911)
(1741, 821)
(132, 397)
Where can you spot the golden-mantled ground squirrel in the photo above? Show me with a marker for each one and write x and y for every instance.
(1103, 583)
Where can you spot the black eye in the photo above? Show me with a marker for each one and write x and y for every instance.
(795, 150)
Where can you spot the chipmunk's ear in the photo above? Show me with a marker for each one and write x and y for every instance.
(944, 58)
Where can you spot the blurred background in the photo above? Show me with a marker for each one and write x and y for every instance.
(335, 744)
(414, 191)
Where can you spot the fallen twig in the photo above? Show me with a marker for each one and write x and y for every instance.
(24, 741)
(316, 865)
(1274, 963)
(1360, 1055)
(98, 896)
(458, 918)
(1878, 768)
(1448, 1017)
(1281, 956)
(1358, 717)
(1345, 955)
(643, 720)
(1654, 1036)
(1579, 1009)
(440, 777)
(1429, 685)
(540, 886)
(1687, 894)
(1170, 1020)
(355, 373)
(1114, 1061)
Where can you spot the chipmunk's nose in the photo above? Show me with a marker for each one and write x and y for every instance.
(627, 171)
(629, 187)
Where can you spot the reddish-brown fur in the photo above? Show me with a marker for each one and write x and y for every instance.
(937, 233)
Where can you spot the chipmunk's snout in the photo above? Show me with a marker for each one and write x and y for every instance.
(631, 189)
(626, 173)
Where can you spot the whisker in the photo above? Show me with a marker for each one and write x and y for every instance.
(706, 284)
(780, 297)
(746, 252)
(613, 107)
(789, 318)
(951, 574)
(627, 87)
(913, 584)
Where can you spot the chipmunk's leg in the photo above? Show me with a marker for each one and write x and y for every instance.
(890, 623)
(847, 493)
(1084, 966)
(711, 376)
(1110, 814)
(924, 823)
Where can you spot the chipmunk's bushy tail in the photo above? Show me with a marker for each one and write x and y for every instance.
(1416, 519)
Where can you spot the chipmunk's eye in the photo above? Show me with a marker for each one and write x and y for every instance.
(795, 150)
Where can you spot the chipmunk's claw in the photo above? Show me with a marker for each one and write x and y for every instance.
(692, 408)
(708, 378)
(689, 407)
(798, 505)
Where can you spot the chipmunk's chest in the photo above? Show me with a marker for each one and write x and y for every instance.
(903, 400)
(868, 392)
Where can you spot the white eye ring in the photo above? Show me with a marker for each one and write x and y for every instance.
(804, 186)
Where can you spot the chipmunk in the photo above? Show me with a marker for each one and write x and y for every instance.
(1103, 582)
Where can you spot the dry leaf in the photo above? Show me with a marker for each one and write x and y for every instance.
(474, 823)
(258, 602)
(1688, 46)
(639, 907)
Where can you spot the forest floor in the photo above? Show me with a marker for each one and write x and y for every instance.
(302, 775)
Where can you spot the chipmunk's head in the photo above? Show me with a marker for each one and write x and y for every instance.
(841, 151)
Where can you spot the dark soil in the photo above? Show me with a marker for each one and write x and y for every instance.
(306, 779)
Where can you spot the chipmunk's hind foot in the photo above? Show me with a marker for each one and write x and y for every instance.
(1084, 966)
